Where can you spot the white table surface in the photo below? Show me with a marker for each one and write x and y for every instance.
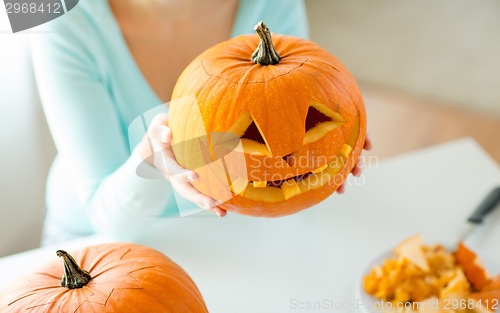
(257, 265)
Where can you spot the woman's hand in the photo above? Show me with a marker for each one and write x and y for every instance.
(358, 169)
(156, 149)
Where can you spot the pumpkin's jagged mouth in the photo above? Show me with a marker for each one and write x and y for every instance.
(280, 190)
(278, 183)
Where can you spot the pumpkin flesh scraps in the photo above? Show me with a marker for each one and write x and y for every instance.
(472, 266)
(431, 275)
(489, 295)
(411, 251)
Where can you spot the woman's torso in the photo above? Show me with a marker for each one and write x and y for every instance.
(138, 72)
(166, 36)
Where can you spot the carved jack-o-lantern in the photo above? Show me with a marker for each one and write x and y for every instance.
(296, 111)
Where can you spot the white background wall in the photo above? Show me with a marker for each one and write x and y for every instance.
(26, 147)
(447, 49)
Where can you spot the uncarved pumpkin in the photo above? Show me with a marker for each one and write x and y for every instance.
(116, 277)
(272, 124)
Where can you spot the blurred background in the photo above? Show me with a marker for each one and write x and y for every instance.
(429, 72)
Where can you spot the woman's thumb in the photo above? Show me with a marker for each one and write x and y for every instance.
(165, 134)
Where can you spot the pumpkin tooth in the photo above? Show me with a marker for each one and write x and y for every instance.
(320, 169)
(260, 184)
(346, 150)
(290, 188)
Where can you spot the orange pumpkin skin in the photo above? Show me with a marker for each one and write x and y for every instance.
(228, 88)
(489, 295)
(473, 267)
(125, 278)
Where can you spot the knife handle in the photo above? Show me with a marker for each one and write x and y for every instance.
(485, 207)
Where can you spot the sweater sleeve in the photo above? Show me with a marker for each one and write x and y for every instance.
(89, 136)
(287, 17)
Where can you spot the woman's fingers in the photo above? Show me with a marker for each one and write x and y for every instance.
(181, 179)
(187, 191)
(160, 140)
(172, 170)
(164, 159)
(358, 169)
(187, 176)
(341, 189)
(158, 131)
(159, 119)
(368, 143)
(165, 134)
(218, 211)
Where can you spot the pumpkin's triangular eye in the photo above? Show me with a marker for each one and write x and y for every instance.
(253, 133)
(320, 120)
(251, 138)
(314, 117)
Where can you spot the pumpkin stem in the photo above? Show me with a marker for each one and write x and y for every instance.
(265, 54)
(74, 276)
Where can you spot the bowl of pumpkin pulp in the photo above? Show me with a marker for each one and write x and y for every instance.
(419, 278)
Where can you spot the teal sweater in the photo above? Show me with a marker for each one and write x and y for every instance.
(91, 91)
